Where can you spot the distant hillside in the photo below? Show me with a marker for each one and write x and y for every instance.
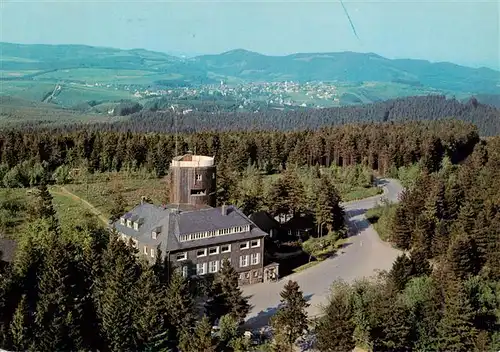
(349, 66)
(485, 117)
(28, 61)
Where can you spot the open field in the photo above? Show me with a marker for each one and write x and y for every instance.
(14, 111)
(99, 192)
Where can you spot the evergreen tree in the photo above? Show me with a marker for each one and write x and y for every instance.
(180, 304)
(328, 210)
(116, 302)
(401, 272)
(200, 339)
(57, 312)
(401, 233)
(20, 327)
(290, 321)
(455, 330)
(225, 297)
(463, 257)
(151, 321)
(419, 262)
(334, 331)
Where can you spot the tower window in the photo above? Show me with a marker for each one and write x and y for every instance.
(198, 177)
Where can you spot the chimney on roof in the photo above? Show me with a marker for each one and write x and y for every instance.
(224, 209)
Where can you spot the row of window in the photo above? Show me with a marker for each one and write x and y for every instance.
(213, 266)
(208, 234)
(226, 248)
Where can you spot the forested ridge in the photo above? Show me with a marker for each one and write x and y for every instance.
(486, 118)
(24, 156)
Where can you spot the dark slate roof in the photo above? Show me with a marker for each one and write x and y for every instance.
(7, 249)
(174, 222)
(264, 221)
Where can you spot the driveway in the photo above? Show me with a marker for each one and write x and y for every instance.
(364, 255)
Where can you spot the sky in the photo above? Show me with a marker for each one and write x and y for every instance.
(463, 32)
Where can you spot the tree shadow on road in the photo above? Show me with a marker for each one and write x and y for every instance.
(264, 316)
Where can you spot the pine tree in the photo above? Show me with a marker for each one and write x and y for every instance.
(150, 319)
(335, 329)
(200, 339)
(401, 272)
(463, 256)
(116, 302)
(328, 210)
(290, 321)
(455, 330)
(57, 311)
(180, 304)
(396, 329)
(20, 327)
(420, 263)
(401, 233)
(225, 297)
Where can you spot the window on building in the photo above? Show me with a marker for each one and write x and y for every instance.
(255, 273)
(201, 252)
(225, 248)
(255, 258)
(213, 250)
(136, 226)
(242, 276)
(213, 266)
(200, 268)
(145, 250)
(255, 243)
(185, 271)
(213, 176)
(154, 235)
(244, 245)
(152, 253)
(122, 221)
(181, 256)
(129, 223)
(247, 275)
(198, 177)
(243, 260)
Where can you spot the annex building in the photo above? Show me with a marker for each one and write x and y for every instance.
(194, 235)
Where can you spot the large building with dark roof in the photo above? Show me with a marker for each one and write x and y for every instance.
(195, 237)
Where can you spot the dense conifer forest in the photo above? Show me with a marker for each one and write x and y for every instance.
(168, 120)
(443, 294)
(83, 290)
(25, 154)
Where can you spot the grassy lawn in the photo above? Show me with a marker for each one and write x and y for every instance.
(68, 210)
(381, 218)
(99, 191)
(306, 266)
(356, 192)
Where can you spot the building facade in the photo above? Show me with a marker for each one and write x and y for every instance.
(197, 242)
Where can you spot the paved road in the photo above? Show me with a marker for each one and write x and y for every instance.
(363, 256)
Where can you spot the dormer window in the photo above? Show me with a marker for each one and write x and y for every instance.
(136, 226)
(156, 231)
(122, 221)
(129, 223)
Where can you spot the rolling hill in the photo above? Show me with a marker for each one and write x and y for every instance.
(250, 66)
(75, 75)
